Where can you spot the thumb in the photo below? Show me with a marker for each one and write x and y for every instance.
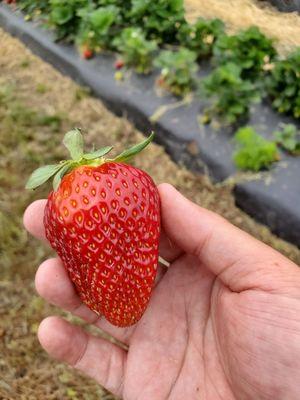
(236, 258)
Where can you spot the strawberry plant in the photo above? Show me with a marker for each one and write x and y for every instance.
(136, 51)
(103, 219)
(178, 70)
(98, 27)
(254, 152)
(250, 49)
(31, 7)
(65, 17)
(283, 85)
(288, 138)
(159, 19)
(232, 96)
(201, 36)
(123, 5)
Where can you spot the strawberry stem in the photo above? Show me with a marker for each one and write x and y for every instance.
(73, 141)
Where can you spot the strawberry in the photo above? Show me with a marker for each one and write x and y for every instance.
(119, 64)
(103, 220)
(87, 53)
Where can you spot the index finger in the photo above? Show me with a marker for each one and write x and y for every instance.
(33, 219)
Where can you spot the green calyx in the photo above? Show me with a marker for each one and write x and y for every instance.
(73, 141)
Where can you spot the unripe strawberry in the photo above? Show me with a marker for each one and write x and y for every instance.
(103, 220)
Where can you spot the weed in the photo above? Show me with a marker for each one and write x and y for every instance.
(254, 152)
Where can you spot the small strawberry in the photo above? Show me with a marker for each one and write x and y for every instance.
(160, 81)
(87, 53)
(103, 220)
(119, 64)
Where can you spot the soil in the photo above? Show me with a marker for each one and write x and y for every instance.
(37, 106)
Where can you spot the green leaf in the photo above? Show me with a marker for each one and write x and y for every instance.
(126, 154)
(60, 174)
(73, 141)
(41, 175)
(102, 18)
(61, 16)
(98, 153)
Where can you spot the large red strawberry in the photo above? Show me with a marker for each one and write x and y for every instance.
(103, 220)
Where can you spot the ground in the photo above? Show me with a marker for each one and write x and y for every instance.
(37, 106)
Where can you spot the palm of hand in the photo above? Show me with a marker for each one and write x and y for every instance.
(200, 340)
(166, 353)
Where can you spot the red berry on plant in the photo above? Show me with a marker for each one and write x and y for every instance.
(119, 64)
(160, 81)
(103, 220)
(87, 53)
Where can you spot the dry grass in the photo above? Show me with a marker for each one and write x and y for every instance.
(238, 14)
(37, 105)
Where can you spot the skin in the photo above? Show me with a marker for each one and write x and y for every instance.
(223, 321)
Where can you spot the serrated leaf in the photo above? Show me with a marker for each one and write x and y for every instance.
(41, 175)
(97, 153)
(73, 141)
(60, 174)
(132, 151)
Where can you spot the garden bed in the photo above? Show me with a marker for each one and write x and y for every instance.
(271, 198)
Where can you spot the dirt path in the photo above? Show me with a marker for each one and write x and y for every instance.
(37, 106)
(283, 27)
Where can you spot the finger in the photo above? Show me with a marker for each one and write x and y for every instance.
(167, 249)
(33, 219)
(238, 259)
(95, 357)
(54, 285)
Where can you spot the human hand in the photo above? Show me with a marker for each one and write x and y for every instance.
(223, 321)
